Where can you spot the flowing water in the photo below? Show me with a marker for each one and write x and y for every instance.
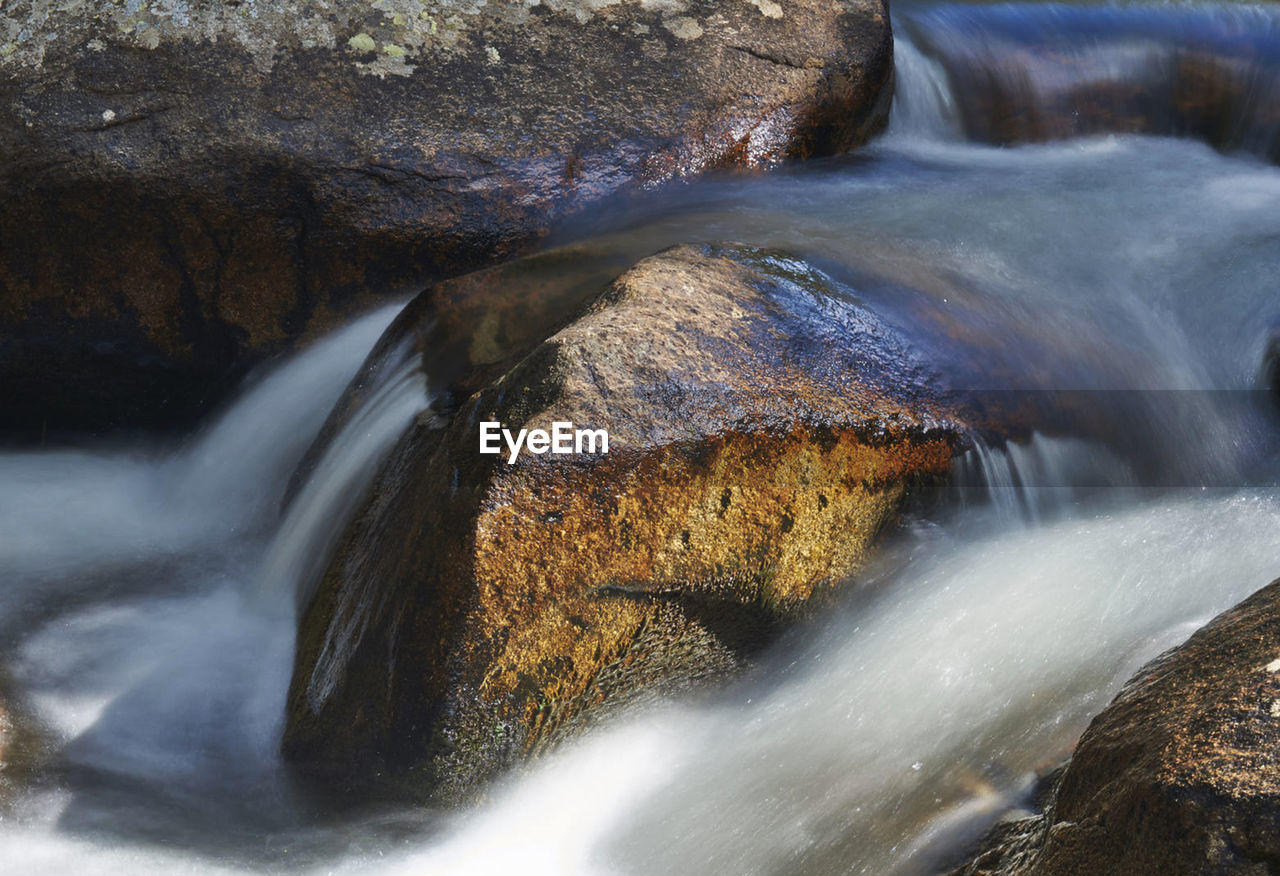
(1122, 285)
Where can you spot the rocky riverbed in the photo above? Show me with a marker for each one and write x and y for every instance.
(882, 492)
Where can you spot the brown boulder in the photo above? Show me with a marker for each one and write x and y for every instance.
(189, 188)
(1180, 774)
(763, 430)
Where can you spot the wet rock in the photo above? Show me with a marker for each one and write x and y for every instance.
(187, 188)
(8, 742)
(1179, 774)
(468, 330)
(763, 430)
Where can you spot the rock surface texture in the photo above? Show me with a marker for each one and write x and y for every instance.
(763, 427)
(187, 187)
(8, 742)
(1180, 774)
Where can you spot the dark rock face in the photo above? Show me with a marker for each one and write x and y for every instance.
(763, 430)
(192, 186)
(1180, 774)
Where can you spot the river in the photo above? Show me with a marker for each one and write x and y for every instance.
(1124, 266)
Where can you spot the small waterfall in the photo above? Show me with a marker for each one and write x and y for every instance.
(923, 105)
(1040, 479)
(134, 626)
(62, 511)
(243, 460)
(340, 479)
(1028, 72)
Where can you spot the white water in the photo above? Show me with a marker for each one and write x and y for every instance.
(335, 486)
(1039, 480)
(64, 512)
(148, 599)
(161, 674)
(923, 105)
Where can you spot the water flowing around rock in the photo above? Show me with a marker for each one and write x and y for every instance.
(1108, 293)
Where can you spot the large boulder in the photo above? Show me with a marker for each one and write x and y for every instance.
(764, 429)
(1180, 774)
(186, 188)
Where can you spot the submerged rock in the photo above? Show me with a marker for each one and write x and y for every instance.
(763, 430)
(1180, 774)
(188, 188)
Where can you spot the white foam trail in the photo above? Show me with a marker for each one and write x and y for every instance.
(27, 850)
(68, 511)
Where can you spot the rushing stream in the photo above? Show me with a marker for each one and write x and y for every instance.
(150, 592)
